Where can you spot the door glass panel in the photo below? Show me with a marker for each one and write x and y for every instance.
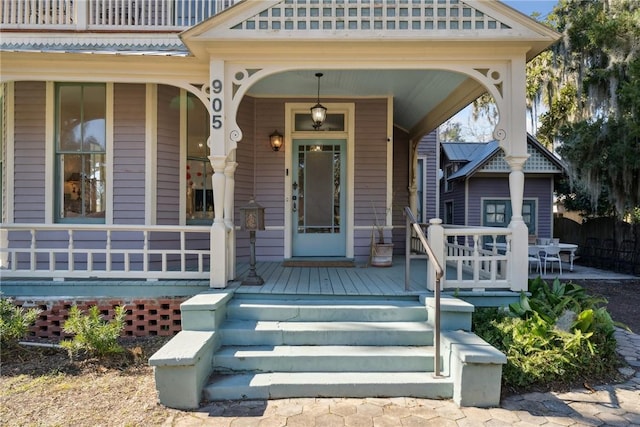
(319, 189)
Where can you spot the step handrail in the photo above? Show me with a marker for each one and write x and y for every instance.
(412, 224)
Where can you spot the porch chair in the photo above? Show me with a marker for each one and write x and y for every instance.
(534, 257)
(552, 254)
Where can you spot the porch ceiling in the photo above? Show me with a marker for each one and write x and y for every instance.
(415, 93)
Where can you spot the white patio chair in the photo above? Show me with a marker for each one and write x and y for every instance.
(551, 255)
(534, 257)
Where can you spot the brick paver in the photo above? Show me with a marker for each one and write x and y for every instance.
(612, 404)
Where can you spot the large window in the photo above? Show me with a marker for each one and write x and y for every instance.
(421, 183)
(497, 213)
(199, 171)
(80, 152)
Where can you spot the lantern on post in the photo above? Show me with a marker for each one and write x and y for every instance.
(252, 220)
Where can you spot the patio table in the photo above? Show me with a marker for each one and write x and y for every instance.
(564, 247)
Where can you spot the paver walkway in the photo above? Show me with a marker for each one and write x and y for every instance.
(607, 405)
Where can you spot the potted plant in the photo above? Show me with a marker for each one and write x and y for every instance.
(381, 252)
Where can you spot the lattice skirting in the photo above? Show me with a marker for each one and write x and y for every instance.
(145, 317)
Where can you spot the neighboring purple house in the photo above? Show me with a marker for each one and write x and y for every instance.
(475, 186)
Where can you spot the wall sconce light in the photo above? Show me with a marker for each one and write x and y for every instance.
(276, 140)
(318, 111)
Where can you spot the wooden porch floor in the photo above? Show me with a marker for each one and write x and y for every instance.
(360, 280)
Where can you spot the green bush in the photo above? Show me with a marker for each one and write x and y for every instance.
(91, 333)
(15, 321)
(558, 333)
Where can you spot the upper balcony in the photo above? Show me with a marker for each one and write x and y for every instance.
(107, 15)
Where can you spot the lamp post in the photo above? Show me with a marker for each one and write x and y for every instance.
(252, 220)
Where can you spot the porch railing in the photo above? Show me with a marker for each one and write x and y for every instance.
(415, 232)
(478, 256)
(116, 15)
(108, 251)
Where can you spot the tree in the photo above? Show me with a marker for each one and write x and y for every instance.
(591, 85)
(451, 132)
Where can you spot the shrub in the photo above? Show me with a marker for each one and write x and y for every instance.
(15, 321)
(559, 332)
(92, 333)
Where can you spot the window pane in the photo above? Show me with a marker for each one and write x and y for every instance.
(80, 151)
(93, 118)
(197, 128)
(83, 185)
(199, 189)
(70, 118)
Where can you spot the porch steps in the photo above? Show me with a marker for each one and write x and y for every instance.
(311, 347)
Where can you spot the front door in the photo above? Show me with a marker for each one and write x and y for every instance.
(318, 198)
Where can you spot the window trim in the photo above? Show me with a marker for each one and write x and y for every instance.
(56, 204)
(509, 211)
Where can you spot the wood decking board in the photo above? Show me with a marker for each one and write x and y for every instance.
(327, 280)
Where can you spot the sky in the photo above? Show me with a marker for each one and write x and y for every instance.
(472, 129)
(530, 6)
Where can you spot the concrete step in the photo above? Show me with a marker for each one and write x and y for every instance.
(324, 359)
(279, 385)
(263, 332)
(340, 310)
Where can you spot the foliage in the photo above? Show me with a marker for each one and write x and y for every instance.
(451, 132)
(92, 333)
(591, 88)
(15, 321)
(559, 331)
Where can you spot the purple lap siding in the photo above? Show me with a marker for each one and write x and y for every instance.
(538, 189)
(168, 157)
(129, 154)
(29, 152)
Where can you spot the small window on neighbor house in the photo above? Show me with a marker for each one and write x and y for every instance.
(448, 212)
(497, 213)
(80, 152)
(199, 171)
(448, 171)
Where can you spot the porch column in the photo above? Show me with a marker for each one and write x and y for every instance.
(219, 237)
(230, 184)
(519, 231)
(516, 155)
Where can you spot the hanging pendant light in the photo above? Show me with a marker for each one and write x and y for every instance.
(318, 111)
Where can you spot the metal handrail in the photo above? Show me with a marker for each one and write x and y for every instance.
(412, 223)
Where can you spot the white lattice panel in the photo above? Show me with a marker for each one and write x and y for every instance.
(536, 162)
(303, 15)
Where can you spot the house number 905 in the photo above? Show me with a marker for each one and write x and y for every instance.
(216, 104)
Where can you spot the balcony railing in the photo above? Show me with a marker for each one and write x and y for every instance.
(108, 15)
(105, 251)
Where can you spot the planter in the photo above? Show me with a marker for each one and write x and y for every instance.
(382, 254)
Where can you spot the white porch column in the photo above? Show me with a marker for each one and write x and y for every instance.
(218, 104)
(516, 155)
(230, 183)
(519, 232)
(218, 262)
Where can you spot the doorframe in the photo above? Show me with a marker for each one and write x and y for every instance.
(348, 109)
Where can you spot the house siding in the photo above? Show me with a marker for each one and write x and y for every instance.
(168, 157)
(129, 154)
(29, 152)
(400, 184)
(428, 148)
(261, 171)
(370, 186)
(498, 187)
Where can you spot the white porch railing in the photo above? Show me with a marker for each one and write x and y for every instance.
(479, 257)
(116, 15)
(476, 258)
(105, 251)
